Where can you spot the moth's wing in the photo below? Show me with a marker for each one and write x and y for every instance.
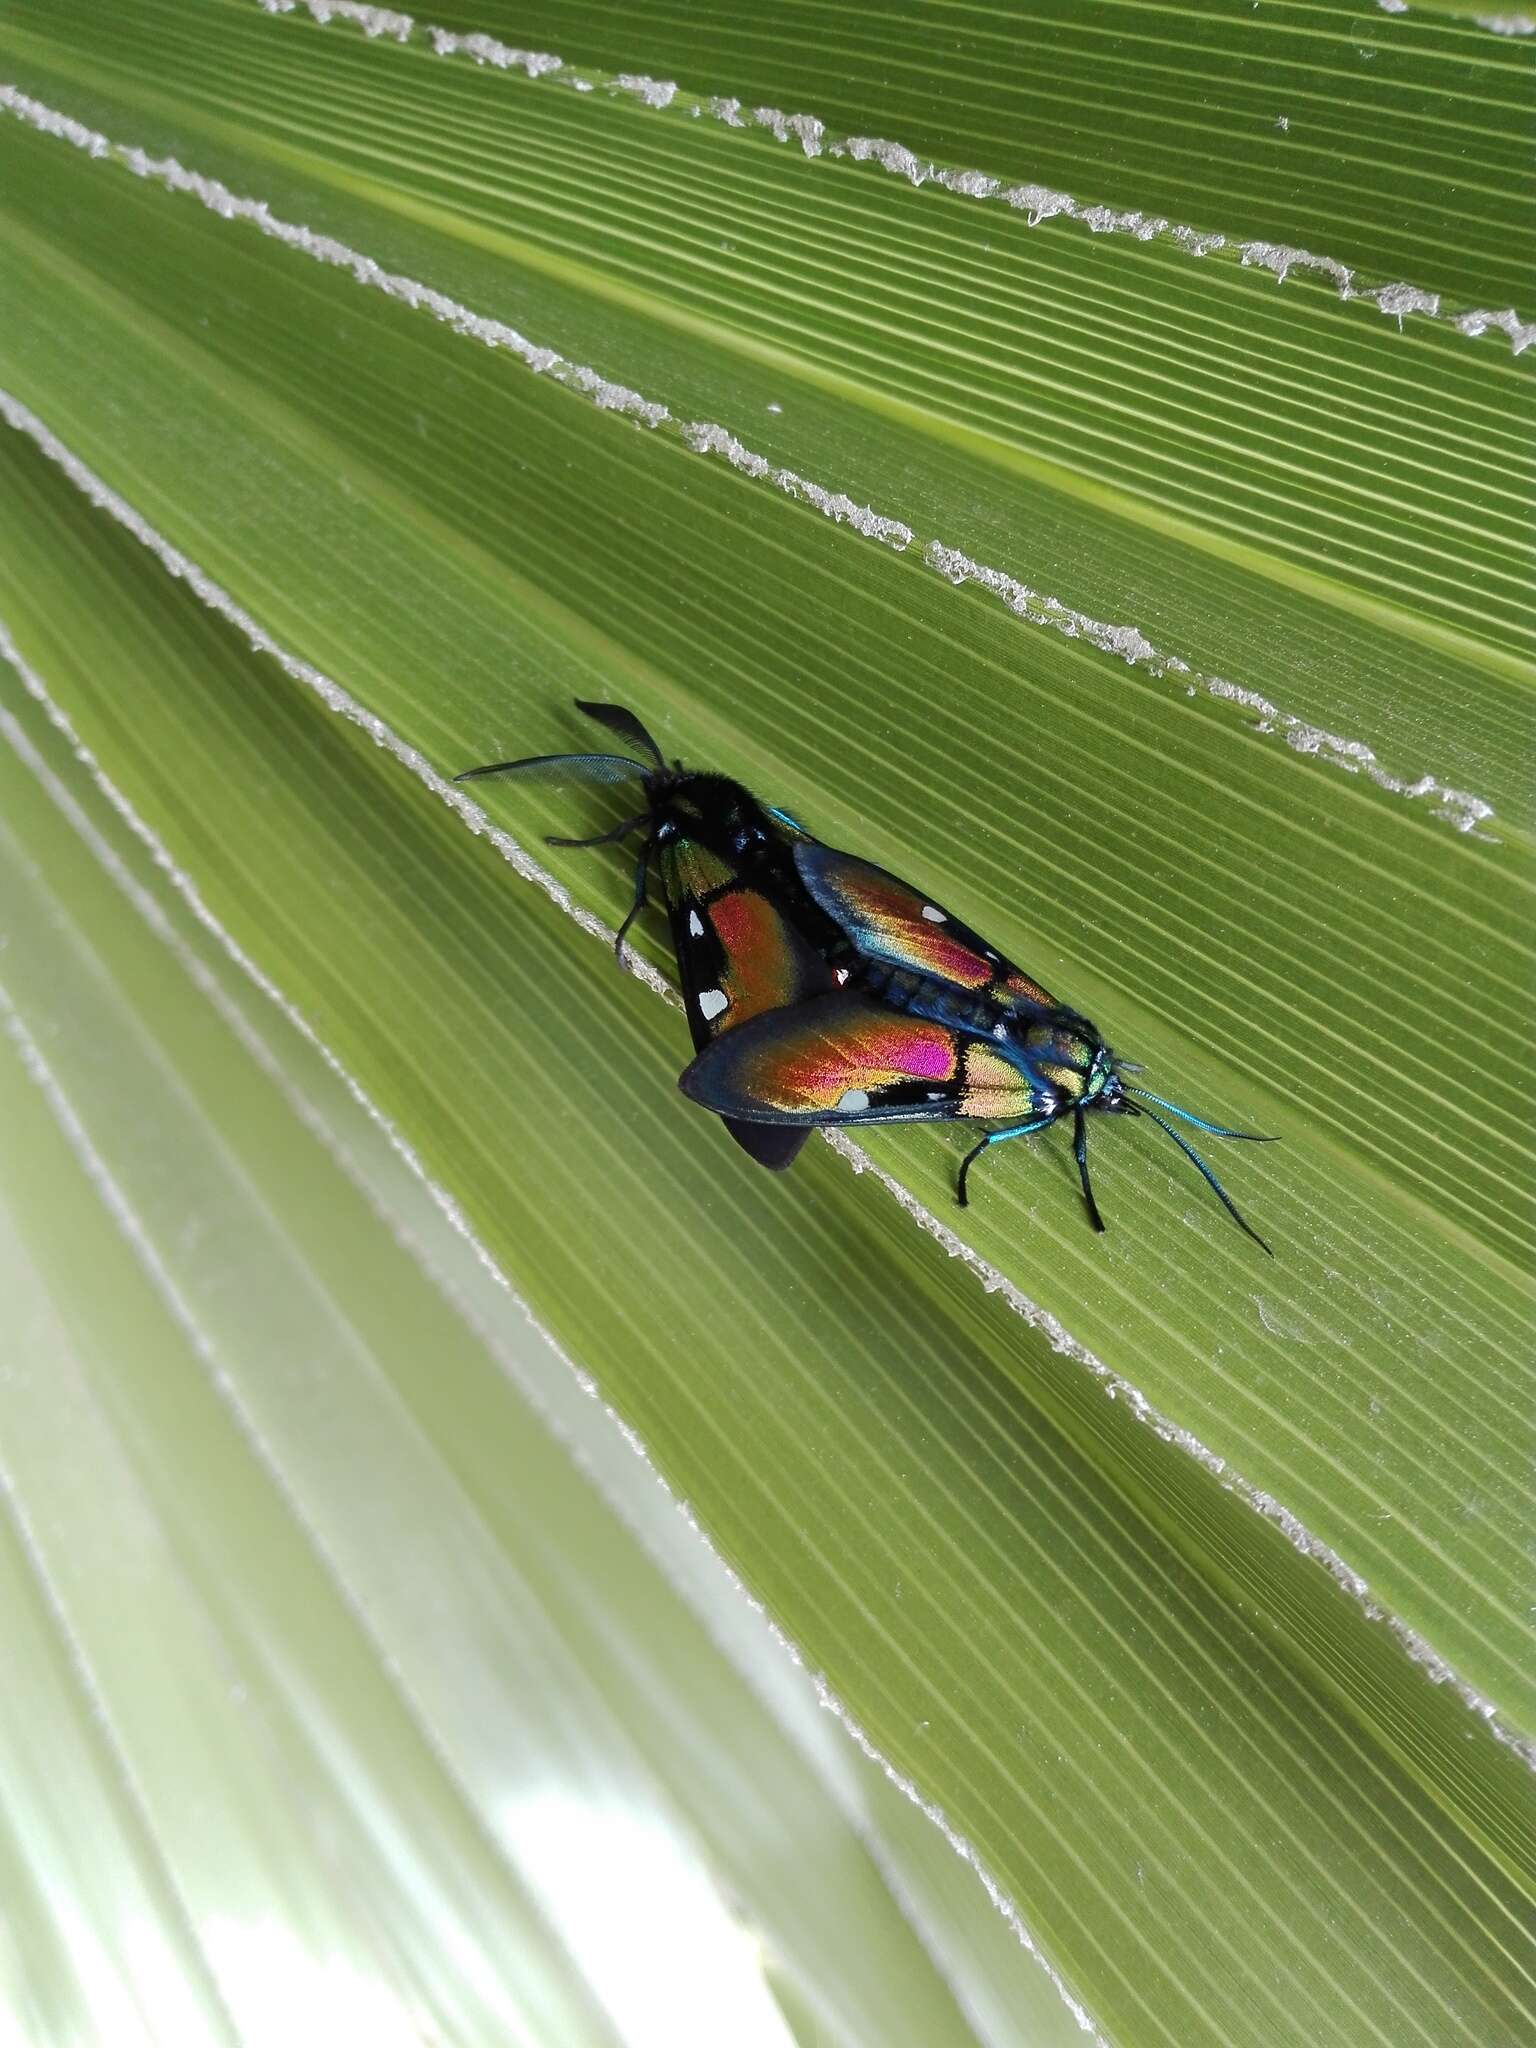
(739, 952)
(887, 919)
(738, 956)
(847, 1058)
(772, 1145)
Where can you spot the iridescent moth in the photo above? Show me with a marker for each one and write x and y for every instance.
(821, 990)
(724, 867)
(932, 1025)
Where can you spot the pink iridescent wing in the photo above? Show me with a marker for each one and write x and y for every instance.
(846, 1058)
(888, 920)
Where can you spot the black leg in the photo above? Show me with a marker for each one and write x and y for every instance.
(1080, 1154)
(965, 1168)
(995, 1138)
(604, 838)
(638, 905)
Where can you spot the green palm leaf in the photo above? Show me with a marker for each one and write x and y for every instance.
(1157, 601)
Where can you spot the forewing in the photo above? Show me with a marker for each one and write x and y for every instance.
(887, 919)
(738, 956)
(738, 953)
(846, 1058)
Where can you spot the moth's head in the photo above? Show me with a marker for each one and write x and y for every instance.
(1103, 1088)
(1109, 1091)
(1067, 1052)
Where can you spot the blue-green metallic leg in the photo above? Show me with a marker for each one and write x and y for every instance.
(993, 1138)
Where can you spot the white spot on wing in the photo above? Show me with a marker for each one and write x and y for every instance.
(842, 975)
(712, 1001)
(852, 1100)
(934, 916)
(695, 924)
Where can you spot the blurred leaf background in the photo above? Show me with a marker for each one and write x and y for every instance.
(483, 1564)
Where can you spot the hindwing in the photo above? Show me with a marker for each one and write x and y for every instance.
(847, 1058)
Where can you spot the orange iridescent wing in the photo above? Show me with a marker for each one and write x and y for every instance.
(846, 1058)
(887, 919)
(738, 957)
(737, 953)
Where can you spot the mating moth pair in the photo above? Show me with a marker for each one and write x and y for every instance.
(821, 990)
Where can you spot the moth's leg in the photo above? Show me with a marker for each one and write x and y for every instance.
(1080, 1154)
(993, 1138)
(635, 908)
(603, 838)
